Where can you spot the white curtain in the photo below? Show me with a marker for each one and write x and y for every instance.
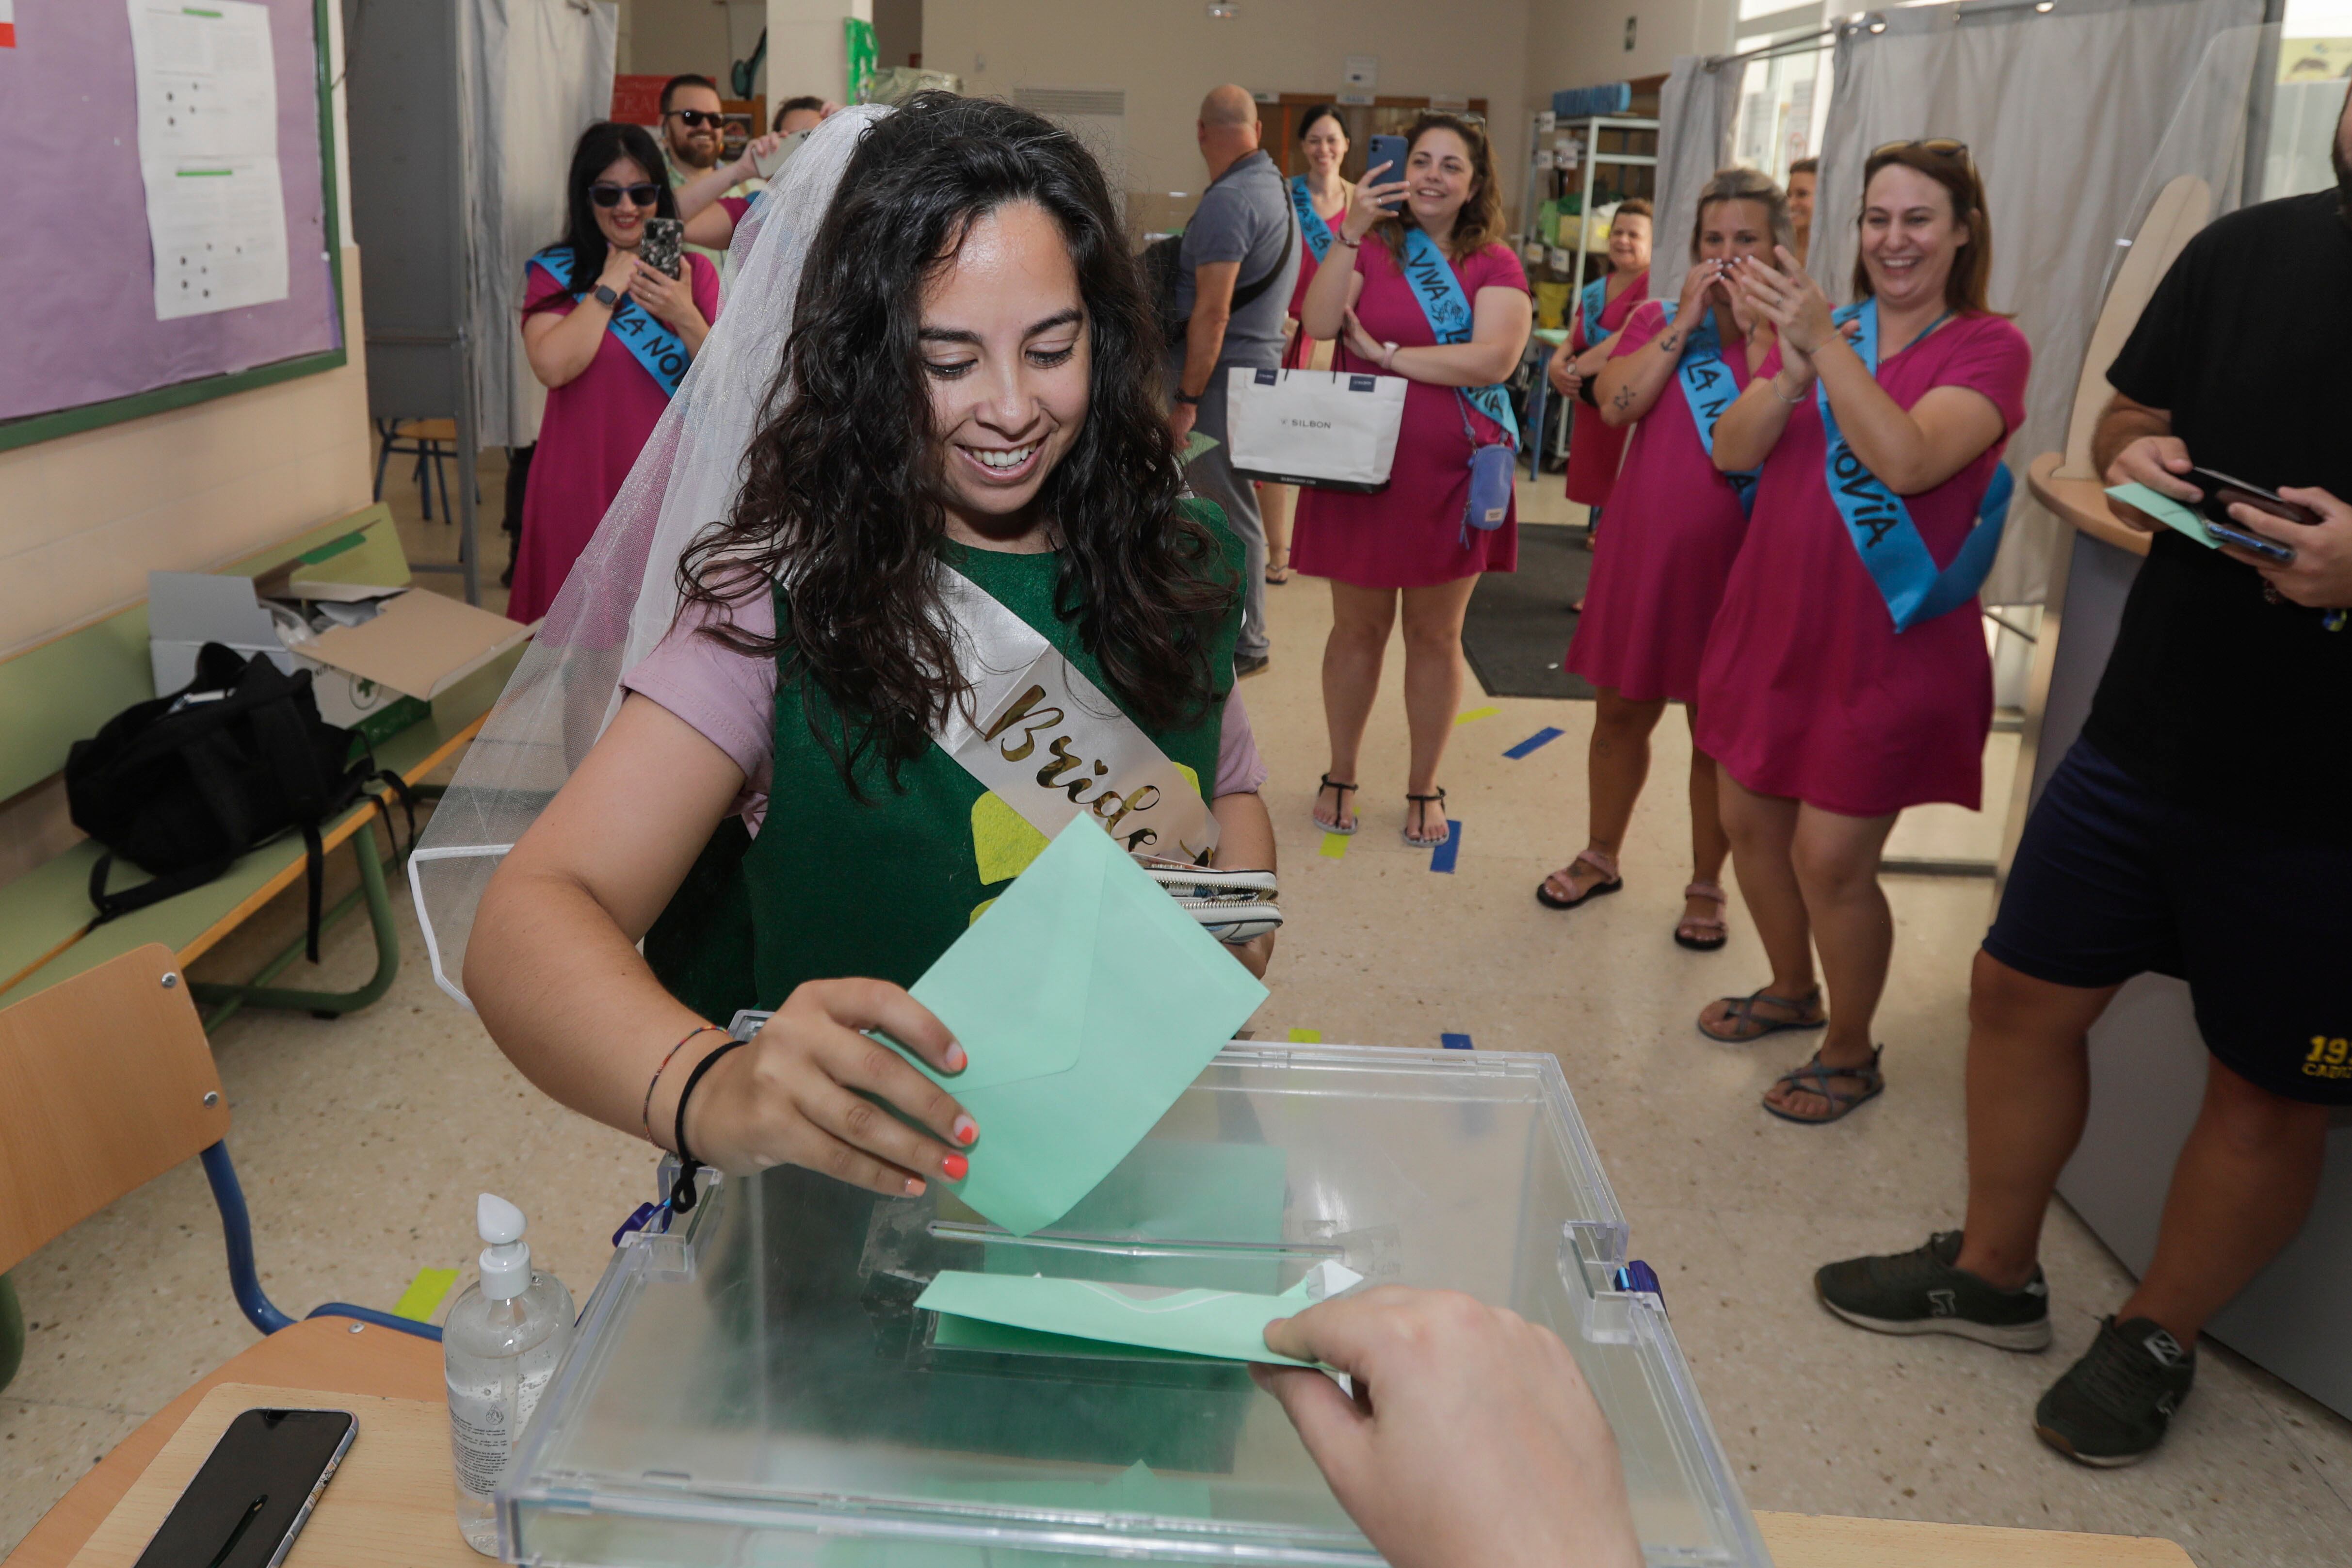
(538, 73)
(2065, 113)
(1696, 108)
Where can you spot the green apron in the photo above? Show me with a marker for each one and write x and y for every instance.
(879, 887)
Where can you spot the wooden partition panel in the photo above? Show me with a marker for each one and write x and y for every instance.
(111, 1084)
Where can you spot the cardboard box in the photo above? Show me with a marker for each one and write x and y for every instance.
(377, 675)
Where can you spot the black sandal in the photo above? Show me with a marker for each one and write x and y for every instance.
(1328, 782)
(1424, 801)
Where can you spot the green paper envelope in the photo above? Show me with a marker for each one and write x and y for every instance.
(1220, 1323)
(1086, 1001)
(2165, 511)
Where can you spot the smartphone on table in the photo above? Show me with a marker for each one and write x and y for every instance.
(1391, 150)
(254, 1492)
(2222, 492)
(659, 249)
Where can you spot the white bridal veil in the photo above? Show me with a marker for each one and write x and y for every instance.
(622, 596)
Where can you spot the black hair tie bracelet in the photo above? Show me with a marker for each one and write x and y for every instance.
(681, 1193)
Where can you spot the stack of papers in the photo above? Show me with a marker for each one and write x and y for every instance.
(1224, 1325)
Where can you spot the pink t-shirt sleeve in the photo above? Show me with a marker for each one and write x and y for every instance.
(1993, 359)
(1240, 771)
(1648, 320)
(727, 697)
(538, 284)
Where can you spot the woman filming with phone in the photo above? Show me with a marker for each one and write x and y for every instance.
(609, 337)
(1846, 676)
(1440, 300)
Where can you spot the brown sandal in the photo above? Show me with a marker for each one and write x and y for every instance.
(1600, 861)
(1697, 933)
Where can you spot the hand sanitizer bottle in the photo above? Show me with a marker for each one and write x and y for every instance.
(498, 1349)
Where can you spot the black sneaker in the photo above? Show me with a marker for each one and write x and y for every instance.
(1919, 1293)
(1248, 664)
(2112, 1406)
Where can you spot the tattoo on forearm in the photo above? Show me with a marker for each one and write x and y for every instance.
(1671, 340)
(1624, 398)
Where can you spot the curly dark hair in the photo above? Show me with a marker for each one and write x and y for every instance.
(842, 484)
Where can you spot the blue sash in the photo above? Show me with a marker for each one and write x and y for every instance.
(654, 345)
(1880, 525)
(1596, 300)
(1448, 313)
(1311, 226)
(1709, 388)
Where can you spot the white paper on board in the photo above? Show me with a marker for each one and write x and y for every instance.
(208, 87)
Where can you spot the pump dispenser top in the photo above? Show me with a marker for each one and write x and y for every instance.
(505, 1261)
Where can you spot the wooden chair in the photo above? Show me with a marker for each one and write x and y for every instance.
(112, 1084)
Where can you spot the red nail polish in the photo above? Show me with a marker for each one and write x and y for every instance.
(914, 1186)
(954, 1167)
(966, 1129)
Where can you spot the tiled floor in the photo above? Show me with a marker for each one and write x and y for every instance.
(362, 1143)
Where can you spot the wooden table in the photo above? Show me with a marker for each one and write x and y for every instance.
(392, 1504)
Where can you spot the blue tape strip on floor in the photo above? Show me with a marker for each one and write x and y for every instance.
(1455, 1042)
(1442, 858)
(1543, 737)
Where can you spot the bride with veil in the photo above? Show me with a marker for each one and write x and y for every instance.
(905, 579)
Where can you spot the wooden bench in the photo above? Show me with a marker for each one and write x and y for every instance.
(62, 691)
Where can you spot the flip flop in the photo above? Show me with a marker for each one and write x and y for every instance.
(1605, 864)
(1328, 782)
(1413, 843)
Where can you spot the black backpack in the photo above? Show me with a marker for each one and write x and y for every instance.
(1164, 263)
(182, 786)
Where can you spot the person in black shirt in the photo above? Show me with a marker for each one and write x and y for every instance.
(2201, 828)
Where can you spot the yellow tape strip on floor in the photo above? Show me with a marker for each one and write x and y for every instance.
(424, 1296)
(1335, 845)
(1306, 1036)
(1474, 714)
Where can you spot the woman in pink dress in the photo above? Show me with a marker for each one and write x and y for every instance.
(1678, 523)
(1318, 196)
(1597, 444)
(609, 337)
(1412, 542)
(1823, 717)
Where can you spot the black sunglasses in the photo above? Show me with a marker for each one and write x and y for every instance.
(1936, 146)
(643, 195)
(695, 119)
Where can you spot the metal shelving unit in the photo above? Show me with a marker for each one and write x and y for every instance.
(1616, 156)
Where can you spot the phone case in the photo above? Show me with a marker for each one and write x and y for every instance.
(664, 235)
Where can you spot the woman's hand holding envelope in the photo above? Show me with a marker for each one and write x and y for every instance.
(797, 1093)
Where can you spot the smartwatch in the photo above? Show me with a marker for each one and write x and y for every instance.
(605, 297)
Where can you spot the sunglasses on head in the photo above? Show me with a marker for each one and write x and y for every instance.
(643, 195)
(1934, 146)
(695, 119)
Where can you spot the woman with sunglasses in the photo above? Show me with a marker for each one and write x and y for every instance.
(609, 337)
(1845, 676)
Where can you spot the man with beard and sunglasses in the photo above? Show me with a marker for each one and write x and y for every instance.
(691, 141)
(2199, 828)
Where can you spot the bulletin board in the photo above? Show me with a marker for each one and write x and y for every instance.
(81, 342)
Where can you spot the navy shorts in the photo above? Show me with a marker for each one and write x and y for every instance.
(2112, 880)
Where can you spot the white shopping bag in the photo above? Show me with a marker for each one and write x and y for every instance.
(1329, 430)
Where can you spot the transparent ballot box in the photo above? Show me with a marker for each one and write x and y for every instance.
(758, 1387)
